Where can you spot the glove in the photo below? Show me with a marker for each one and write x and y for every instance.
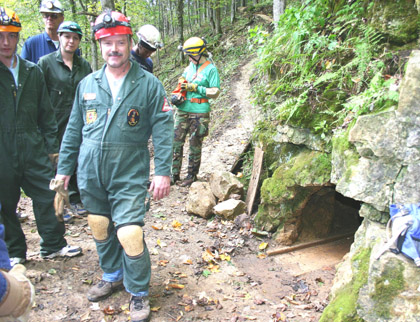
(181, 80)
(189, 87)
(177, 99)
(61, 198)
(54, 159)
(17, 303)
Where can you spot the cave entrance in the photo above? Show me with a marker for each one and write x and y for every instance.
(328, 224)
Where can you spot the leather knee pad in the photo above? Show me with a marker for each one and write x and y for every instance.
(131, 239)
(99, 226)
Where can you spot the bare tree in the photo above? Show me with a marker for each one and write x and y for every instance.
(278, 10)
(180, 11)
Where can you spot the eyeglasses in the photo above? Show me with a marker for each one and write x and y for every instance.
(50, 15)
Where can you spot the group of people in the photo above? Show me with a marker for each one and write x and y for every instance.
(59, 120)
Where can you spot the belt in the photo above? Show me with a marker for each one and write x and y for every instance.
(199, 100)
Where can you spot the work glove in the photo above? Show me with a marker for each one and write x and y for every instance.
(177, 99)
(61, 198)
(17, 303)
(189, 87)
(181, 80)
(54, 159)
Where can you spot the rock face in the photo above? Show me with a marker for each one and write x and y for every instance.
(200, 200)
(375, 162)
(382, 168)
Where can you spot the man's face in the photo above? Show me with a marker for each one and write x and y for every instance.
(116, 50)
(144, 52)
(69, 42)
(52, 20)
(8, 43)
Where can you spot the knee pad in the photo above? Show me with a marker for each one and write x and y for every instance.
(99, 226)
(131, 239)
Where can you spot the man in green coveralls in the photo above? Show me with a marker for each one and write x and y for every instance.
(201, 81)
(116, 110)
(63, 70)
(28, 141)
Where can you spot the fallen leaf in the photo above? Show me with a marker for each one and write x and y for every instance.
(263, 246)
(109, 310)
(262, 256)
(189, 308)
(157, 227)
(95, 307)
(155, 309)
(163, 262)
(188, 262)
(176, 286)
(85, 317)
(176, 224)
(224, 257)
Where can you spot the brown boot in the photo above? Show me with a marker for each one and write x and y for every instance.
(139, 309)
(103, 289)
(188, 180)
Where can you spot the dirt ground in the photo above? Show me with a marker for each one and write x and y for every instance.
(202, 270)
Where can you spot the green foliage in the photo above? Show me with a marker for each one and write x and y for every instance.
(320, 64)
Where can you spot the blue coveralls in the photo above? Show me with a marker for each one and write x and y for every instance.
(109, 142)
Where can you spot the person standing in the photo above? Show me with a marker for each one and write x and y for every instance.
(201, 81)
(116, 110)
(28, 142)
(37, 46)
(149, 41)
(63, 70)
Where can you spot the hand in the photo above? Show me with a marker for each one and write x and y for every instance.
(65, 178)
(189, 87)
(161, 185)
(21, 293)
(181, 80)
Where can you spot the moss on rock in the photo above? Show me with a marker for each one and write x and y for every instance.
(343, 306)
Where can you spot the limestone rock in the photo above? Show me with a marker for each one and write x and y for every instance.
(223, 184)
(200, 200)
(230, 209)
(299, 136)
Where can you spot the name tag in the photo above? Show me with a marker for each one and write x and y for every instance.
(89, 96)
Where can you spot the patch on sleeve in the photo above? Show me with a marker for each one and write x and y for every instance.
(166, 106)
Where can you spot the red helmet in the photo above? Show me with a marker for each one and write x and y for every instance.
(111, 23)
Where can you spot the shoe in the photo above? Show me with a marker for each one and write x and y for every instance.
(16, 260)
(67, 251)
(188, 180)
(139, 309)
(22, 216)
(174, 179)
(103, 289)
(79, 209)
(68, 218)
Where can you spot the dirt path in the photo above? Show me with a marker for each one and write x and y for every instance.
(201, 270)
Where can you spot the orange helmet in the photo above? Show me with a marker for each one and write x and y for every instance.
(111, 23)
(9, 21)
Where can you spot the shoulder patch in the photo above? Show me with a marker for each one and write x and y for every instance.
(166, 106)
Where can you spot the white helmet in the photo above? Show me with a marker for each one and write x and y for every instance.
(149, 37)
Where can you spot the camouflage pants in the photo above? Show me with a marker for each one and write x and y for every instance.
(197, 126)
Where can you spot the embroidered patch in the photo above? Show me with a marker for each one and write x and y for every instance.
(166, 106)
(133, 117)
(91, 116)
(89, 96)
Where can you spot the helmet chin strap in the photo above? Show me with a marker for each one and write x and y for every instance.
(196, 60)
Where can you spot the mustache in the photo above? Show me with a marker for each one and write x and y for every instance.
(115, 53)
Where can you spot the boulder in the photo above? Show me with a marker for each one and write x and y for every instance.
(230, 209)
(224, 184)
(200, 200)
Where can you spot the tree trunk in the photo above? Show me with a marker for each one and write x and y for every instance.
(278, 10)
(93, 47)
(108, 4)
(180, 11)
(218, 19)
(233, 10)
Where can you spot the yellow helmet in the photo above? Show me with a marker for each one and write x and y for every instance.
(194, 46)
(9, 21)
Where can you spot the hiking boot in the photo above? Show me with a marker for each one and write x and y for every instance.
(67, 251)
(67, 217)
(174, 179)
(16, 260)
(188, 180)
(103, 289)
(139, 309)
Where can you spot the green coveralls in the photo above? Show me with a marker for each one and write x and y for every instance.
(61, 84)
(193, 118)
(109, 142)
(28, 133)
